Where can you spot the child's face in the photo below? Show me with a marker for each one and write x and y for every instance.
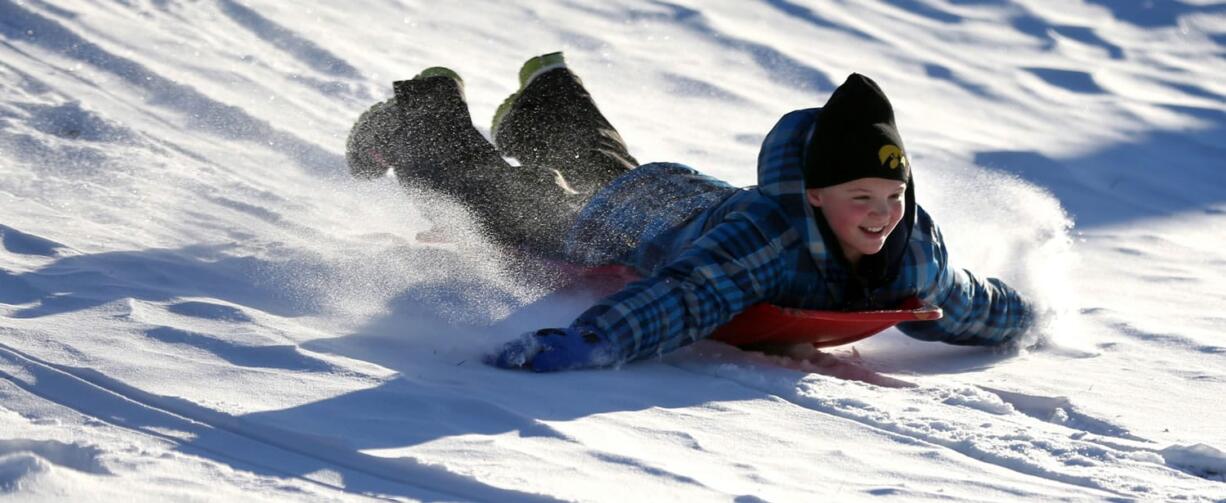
(861, 212)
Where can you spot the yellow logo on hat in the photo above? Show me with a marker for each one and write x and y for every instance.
(893, 155)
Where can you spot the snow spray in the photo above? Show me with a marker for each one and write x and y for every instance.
(410, 265)
(998, 225)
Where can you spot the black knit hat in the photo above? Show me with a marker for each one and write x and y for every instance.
(855, 138)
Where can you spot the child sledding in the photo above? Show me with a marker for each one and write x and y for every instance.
(832, 225)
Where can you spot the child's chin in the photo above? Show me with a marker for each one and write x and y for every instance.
(872, 249)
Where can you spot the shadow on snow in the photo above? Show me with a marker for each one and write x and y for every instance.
(1161, 174)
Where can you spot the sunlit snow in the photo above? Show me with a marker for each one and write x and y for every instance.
(197, 303)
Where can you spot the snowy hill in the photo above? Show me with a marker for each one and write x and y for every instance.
(196, 303)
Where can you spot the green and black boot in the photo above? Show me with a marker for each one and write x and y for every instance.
(441, 149)
(552, 122)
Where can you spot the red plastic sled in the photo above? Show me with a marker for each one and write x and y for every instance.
(770, 324)
(767, 324)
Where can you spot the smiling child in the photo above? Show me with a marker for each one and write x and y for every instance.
(832, 224)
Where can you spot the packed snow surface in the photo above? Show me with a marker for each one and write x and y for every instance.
(196, 303)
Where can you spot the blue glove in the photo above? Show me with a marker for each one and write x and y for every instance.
(553, 349)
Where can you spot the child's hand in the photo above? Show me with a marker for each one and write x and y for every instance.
(554, 349)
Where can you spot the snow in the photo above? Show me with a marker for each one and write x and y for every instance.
(197, 304)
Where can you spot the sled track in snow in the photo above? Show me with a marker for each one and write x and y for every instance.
(1087, 444)
(232, 440)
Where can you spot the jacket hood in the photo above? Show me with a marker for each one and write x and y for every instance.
(781, 176)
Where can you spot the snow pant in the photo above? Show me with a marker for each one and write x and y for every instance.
(566, 148)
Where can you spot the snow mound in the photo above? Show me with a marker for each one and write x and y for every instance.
(1198, 459)
(32, 464)
(17, 469)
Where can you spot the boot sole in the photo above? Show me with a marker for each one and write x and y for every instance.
(531, 69)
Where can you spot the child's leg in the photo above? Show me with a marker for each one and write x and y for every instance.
(553, 123)
(436, 147)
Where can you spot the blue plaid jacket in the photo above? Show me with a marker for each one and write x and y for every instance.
(708, 251)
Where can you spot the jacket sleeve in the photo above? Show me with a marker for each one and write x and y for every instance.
(978, 311)
(732, 266)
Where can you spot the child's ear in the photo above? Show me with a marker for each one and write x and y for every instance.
(814, 197)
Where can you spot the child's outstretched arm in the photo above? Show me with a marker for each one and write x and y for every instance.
(978, 312)
(733, 266)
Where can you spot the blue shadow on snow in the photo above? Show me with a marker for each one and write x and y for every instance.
(1160, 174)
(202, 113)
(78, 282)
